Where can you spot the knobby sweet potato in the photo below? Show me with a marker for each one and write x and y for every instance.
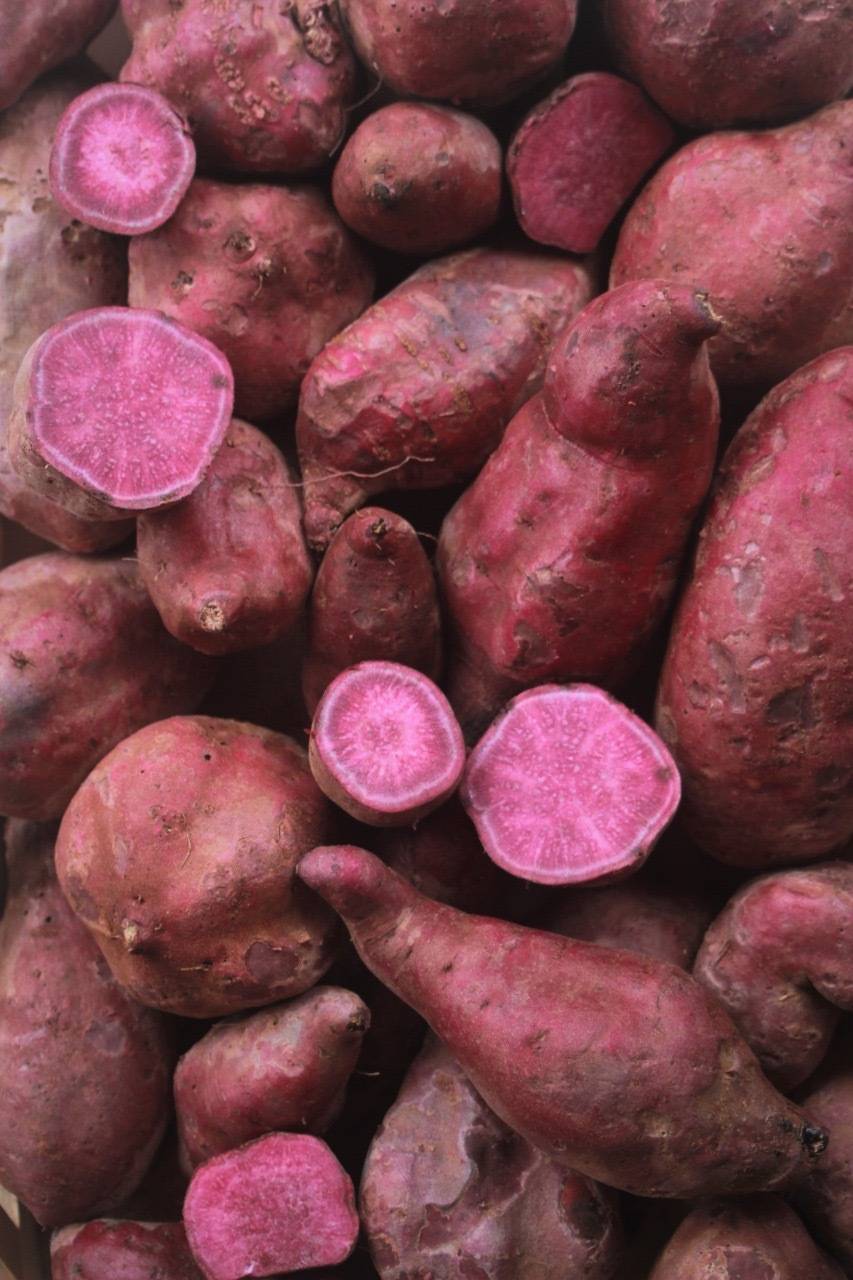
(36, 36)
(114, 1249)
(825, 1196)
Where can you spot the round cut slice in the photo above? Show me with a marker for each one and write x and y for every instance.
(569, 787)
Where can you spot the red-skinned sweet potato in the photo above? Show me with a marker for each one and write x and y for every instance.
(35, 37)
(825, 1196)
(755, 692)
(113, 1249)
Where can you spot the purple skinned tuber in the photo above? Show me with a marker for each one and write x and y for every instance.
(569, 787)
(118, 409)
(117, 1249)
(282, 1203)
(385, 745)
(122, 159)
(37, 35)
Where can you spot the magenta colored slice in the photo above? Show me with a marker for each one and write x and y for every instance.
(569, 787)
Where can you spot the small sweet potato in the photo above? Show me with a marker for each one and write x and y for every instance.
(825, 1196)
(113, 1249)
(37, 35)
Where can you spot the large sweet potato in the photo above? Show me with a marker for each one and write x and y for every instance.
(37, 35)
(111, 1249)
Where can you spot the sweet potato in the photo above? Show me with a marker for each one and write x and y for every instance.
(178, 852)
(471, 51)
(375, 598)
(39, 34)
(615, 1065)
(418, 178)
(266, 83)
(715, 63)
(85, 1069)
(283, 1068)
(448, 1190)
(755, 693)
(85, 661)
(228, 567)
(111, 1249)
(761, 221)
(559, 561)
(416, 393)
(268, 274)
(825, 1197)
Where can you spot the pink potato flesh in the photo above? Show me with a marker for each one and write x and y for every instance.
(568, 786)
(282, 1203)
(122, 159)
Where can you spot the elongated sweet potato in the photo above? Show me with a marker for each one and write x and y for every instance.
(178, 853)
(756, 693)
(85, 1069)
(85, 661)
(615, 1065)
(269, 274)
(559, 561)
(35, 37)
(416, 393)
(449, 1190)
(825, 1196)
(111, 1249)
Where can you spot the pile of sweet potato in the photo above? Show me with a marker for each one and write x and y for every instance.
(426, 639)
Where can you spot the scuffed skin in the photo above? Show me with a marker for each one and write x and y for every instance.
(449, 1191)
(755, 1239)
(761, 221)
(268, 274)
(756, 692)
(375, 598)
(178, 854)
(78, 267)
(84, 661)
(109, 1249)
(416, 393)
(418, 178)
(780, 961)
(37, 35)
(614, 1065)
(265, 84)
(715, 63)
(228, 567)
(560, 559)
(86, 1070)
(825, 1198)
(284, 1068)
(481, 52)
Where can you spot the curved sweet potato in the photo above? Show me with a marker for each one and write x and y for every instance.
(36, 36)
(112, 1249)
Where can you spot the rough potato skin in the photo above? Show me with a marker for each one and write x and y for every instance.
(760, 1238)
(78, 267)
(178, 854)
(375, 599)
(110, 1249)
(716, 63)
(228, 567)
(756, 693)
(86, 1070)
(416, 393)
(265, 83)
(268, 274)
(481, 52)
(559, 560)
(37, 35)
(284, 1068)
(825, 1197)
(448, 1190)
(761, 220)
(84, 661)
(614, 1065)
(419, 178)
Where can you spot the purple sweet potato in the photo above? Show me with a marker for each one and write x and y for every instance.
(615, 1065)
(282, 1203)
(118, 409)
(578, 156)
(265, 83)
(112, 1249)
(284, 1068)
(178, 853)
(416, 393)
(449, 1191)
(715, 63)
(85, 1069)
(228, 568)
(559, 561)
(825, 1197)
(84, 661)
(756, 693)
(375, 598)
(268, 274)
(761, 221)
(482, 52)
(37, 35)
(419, 178)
